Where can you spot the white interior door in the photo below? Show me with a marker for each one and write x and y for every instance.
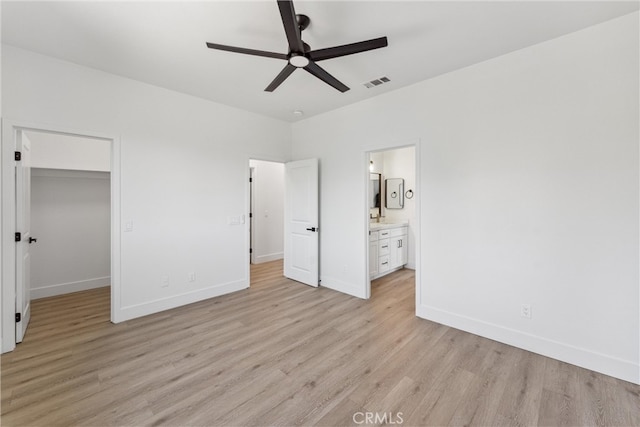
(23, 223)
(301, 221)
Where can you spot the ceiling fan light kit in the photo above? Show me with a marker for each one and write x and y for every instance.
(299, 61)
(300, 54)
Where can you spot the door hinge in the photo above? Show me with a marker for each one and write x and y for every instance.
(18, 317)
(250, 215)
(250, 250)
(18, 237)
(250, 179)
(17, 156)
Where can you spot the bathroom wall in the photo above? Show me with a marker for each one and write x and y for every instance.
(401, 163)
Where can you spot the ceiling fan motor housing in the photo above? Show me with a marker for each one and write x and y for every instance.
(303, 21)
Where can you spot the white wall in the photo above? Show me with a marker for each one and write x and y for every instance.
(378, 162)
(70, 217)
(401, 163)
(268, 210)
(528, 192)
(55, 151)
(183, 173)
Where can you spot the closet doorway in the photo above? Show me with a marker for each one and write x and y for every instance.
(70, 213)
(63, 199)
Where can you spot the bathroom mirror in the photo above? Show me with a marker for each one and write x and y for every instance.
(394, 193)
(375, 193)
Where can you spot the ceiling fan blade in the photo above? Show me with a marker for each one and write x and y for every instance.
(320, 73)
(347, 49)
(247, 51)
(286, 72)
(288, 14)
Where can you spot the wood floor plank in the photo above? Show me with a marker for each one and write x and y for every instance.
(482, 398)
(520, 403)
(283, 353)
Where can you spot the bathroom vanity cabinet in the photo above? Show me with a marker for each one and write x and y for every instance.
(387, 248)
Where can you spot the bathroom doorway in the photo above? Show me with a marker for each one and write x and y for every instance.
(393, 220)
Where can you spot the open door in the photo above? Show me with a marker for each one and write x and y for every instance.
(24, 240)
(301, 221)
(252, 223)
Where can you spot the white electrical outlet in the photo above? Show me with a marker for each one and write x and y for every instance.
(192, 277)
(164, 282)
(128, 226)
(525, 311)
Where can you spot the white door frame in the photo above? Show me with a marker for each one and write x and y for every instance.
(8, 220)
(416, 225)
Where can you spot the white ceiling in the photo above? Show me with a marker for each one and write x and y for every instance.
(163, 43)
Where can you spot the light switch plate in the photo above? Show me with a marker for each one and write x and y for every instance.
(235, 220)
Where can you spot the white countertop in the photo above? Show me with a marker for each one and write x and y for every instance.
(383, 225)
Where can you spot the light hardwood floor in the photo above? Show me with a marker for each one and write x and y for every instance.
(282, 353)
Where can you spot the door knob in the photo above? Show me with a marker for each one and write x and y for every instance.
(32, 240)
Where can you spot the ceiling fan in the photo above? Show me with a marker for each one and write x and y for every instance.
(300, 54)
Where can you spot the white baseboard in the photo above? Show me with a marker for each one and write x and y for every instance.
(344, 287)
(393, 270)
(138, 310)
(623, 369)
(269, 257)
(67, 288)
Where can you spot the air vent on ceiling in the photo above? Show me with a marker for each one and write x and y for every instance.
(376, 82)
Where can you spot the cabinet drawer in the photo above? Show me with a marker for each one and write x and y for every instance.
(373, 236)
(383, 264)
(383, 247)
(394, 232)
(383, 234)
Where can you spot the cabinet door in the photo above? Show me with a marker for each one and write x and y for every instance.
(403, 253)
(398, 251)
(373, 259)
(394, 248)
